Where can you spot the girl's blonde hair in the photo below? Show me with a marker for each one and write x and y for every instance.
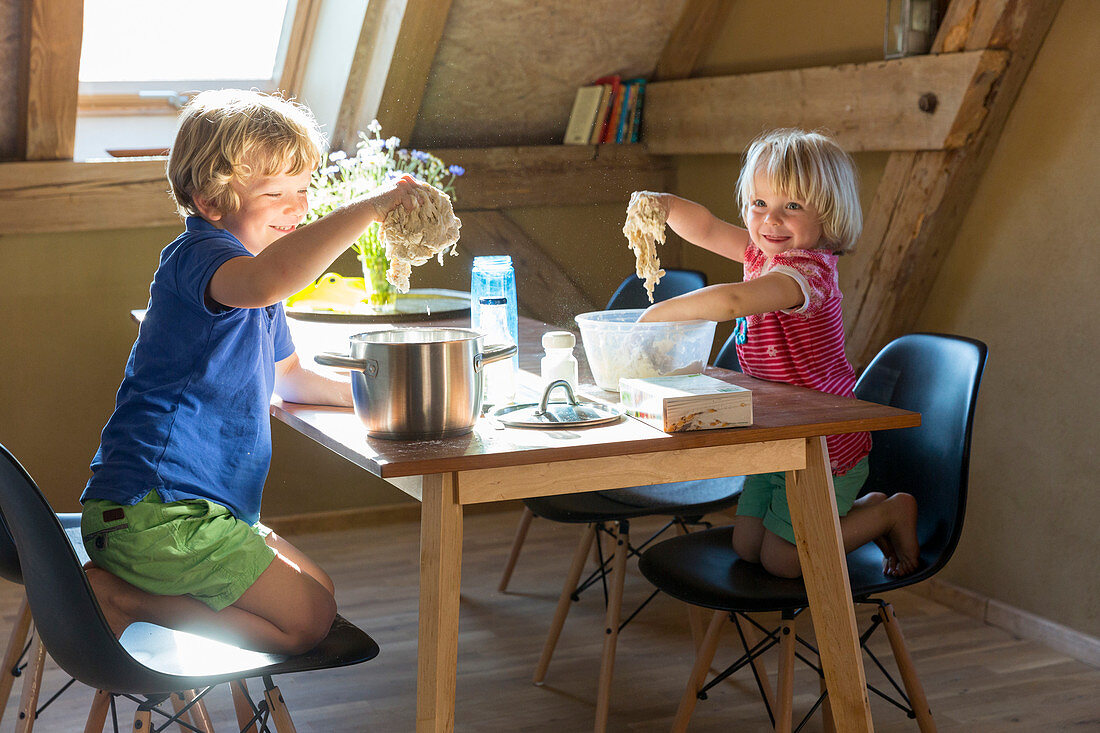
(232, 134)
(811, 167)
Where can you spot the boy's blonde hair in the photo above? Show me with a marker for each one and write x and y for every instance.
(811, 167)
(232, 134)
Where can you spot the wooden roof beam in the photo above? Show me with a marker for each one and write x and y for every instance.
(877, 106)
(699, 23)
(923, 196)
(390, 87)
(53, 30)
(81, 196)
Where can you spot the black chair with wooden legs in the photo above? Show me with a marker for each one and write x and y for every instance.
(22, 639)
(631, 293)
(148, 664)
(936, 375)
(608, 513)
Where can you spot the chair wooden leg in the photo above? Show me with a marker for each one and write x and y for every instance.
(279, 714)
(785, 687)
(19, 634)
(913, 688)
(584, 547)
(143, 721)
(196, 715)
(699, 672)
(97, 715)
(517, 545)
(178, 703)
(242, 705)
(611, 624)
(32, 683)
(754, 636)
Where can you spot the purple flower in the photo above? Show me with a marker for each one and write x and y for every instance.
(456, 170)
(420, 155)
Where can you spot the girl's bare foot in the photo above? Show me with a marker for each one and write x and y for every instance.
(889, 557)
(904, 553)
(111, 592)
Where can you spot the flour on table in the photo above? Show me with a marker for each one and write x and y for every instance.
(414, 237)
(644, 230)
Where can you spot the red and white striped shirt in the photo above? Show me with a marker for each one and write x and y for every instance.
(804, 346)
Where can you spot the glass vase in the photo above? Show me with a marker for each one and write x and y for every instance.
(381, 295)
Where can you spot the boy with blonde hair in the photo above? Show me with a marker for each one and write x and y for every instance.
(171, 512)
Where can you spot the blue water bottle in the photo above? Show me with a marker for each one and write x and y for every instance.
(494, 277)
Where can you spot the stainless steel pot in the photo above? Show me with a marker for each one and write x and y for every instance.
(417, 383)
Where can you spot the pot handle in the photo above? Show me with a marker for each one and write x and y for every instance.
(495, 353)
(342, 361)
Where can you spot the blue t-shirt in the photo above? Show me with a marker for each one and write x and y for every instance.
(191, 418)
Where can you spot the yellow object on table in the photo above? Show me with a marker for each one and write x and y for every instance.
(332, 291)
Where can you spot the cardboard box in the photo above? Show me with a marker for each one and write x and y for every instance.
(691, 402)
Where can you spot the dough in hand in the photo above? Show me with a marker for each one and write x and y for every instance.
(644, 230)
(414, 237)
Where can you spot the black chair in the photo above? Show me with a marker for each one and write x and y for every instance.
(936, 375)
(631, 293)
(21, 640)
(149, 664)
(608, 513)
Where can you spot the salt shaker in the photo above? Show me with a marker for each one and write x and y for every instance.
(559, 362)
(499, 377)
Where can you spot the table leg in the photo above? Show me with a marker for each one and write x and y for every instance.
(825, 571)
(440, 571)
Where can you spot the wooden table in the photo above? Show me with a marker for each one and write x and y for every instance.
(493, 464)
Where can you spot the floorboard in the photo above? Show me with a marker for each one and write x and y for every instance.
(978, 678)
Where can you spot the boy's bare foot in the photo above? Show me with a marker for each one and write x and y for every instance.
(904, 553)
(111, 592)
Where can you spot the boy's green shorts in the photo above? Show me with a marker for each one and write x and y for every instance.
(765, 496)
(193, 547)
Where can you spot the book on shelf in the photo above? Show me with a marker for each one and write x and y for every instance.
(636, 118)
(629, 93)
(583, 115)
(615, 114)
(603, 114)
(688, 402)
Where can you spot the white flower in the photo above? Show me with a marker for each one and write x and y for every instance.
(374, 127)
(337, 155)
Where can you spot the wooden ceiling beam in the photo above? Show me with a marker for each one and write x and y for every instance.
(877, 106)
(388, 86)
(63, 196)
(552, 175)
(690, 39)
(923, 196)
(67, 196)
(549, 293)
(53, 30)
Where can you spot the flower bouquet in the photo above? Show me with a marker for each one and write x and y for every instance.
(347, 178)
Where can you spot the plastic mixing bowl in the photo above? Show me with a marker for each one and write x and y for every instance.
(618, 347)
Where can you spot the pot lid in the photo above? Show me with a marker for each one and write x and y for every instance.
(546, 414)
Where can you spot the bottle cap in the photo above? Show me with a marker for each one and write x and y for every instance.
(558, 340)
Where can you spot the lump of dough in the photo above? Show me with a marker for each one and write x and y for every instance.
(414, 237)
(644, 229)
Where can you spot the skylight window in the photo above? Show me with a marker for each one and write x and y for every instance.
(134, 46)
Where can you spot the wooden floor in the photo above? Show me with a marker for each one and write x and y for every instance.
(978, 678)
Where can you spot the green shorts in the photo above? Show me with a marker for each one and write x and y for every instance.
(193, 547)
(765, 497)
